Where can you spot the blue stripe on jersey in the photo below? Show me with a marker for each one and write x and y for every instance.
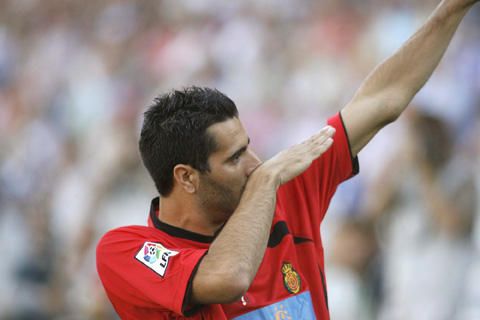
(296, 307)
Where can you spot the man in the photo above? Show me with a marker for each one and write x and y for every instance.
(231, 237)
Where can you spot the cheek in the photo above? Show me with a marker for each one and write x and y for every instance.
(233, 182)
(232, 174)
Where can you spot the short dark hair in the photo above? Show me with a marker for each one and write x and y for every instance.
(174, 131)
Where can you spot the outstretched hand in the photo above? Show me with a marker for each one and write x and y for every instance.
(291, 162)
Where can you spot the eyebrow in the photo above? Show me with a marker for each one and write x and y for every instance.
(239, 151)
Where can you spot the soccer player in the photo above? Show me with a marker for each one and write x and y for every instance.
(230, 236)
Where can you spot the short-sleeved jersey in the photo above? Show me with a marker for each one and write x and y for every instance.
(147, 271)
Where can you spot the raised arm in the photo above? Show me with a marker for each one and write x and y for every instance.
(388, 90)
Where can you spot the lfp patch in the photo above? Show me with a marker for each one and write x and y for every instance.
(155, 256)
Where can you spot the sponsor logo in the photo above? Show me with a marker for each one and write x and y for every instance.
(281, 313)
(298, 306)
(155, 256)
(291, 279)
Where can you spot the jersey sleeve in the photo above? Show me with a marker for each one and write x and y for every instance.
(306, 198)
(143, 272)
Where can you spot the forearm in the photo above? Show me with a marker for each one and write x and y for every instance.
(238, 250)
(248, 228)
(402, 75)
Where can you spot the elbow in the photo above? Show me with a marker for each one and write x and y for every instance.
(227, 286)
(392, 114)
(396, 101)
(392, 108)
(233, 286)
(388, 103)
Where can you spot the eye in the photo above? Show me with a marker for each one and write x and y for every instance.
(236, 158)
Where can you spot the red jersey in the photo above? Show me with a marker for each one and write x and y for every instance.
(147, 271)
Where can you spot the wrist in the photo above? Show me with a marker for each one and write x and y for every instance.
(263, 176)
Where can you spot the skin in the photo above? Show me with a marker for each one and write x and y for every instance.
(231, 164)
(203, 203)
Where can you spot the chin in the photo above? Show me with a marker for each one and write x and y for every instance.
(230, 209)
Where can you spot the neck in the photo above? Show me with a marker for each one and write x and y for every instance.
(184, 214)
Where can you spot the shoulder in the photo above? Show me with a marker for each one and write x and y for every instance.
(127, 233)
(127, 239)
(123, 248)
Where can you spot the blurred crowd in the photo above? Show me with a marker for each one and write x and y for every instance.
(402, 239)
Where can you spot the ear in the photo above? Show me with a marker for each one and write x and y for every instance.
(186, 177)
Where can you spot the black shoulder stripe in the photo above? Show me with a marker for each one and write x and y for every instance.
(280, 230)
(298, 240)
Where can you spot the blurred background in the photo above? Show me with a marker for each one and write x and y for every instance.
(402, 239)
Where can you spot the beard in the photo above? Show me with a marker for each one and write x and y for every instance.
(220, 200)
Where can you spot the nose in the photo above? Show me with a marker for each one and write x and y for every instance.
(253, 162)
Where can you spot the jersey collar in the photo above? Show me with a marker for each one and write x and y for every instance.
(175, 231)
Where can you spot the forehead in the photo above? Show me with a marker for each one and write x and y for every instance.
(229, 134)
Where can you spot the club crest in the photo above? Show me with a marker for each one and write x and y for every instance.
(291, 278)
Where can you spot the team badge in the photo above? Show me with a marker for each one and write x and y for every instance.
(291, 279)
(155, 256)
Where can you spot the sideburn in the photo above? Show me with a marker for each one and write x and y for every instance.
(216, 198)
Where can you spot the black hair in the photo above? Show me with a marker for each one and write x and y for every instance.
(174, 131)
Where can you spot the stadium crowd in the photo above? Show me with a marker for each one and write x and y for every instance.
(402, 238)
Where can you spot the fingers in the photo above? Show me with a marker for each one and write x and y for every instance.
(291, 162)
(314, 146)
(327, 138)
(298, 158)
(325, 133)
(321, 141)
(324, 146)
